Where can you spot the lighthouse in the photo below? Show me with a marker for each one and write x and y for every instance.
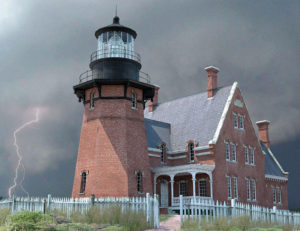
(112, 155)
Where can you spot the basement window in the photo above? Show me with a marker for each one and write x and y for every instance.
(83, 182)
(133, 100)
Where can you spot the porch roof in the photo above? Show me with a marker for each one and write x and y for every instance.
(188, 168)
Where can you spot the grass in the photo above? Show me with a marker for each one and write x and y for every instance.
(241, 223)
(164, 217)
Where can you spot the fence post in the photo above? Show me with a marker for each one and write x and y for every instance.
(181, 209)
(156, 212)
(13, 204)
(148, 206)
(233, 211)
(49, 201)
(93, 199)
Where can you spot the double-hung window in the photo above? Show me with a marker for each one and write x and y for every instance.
(241, 118)
(229, 191)
(246, 150)
(253, 189)
(233, 152)
(248, 189)
(227, 150)
(274, 195)
(235, 187)
(235, 121)
(251, 155)
(202, 188)
(279, 195)
(182, 188)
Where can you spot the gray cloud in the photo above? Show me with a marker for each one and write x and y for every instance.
(46, 45)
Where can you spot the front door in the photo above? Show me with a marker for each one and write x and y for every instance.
(164, 194)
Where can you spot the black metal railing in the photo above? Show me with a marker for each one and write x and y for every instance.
(90, 75)
(115, 53)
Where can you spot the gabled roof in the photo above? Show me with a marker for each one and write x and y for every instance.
(157, 132)
(272, 166)
(193, 117)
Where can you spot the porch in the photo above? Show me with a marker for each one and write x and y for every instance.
(193, 181)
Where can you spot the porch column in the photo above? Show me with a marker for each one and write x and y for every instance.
(194, 185)
(211, 185)
(172, 188)
(154, 184)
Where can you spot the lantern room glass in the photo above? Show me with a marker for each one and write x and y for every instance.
(115, 44)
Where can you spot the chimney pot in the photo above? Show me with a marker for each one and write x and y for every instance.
(263, 131)
(154, 102)
(212, 84)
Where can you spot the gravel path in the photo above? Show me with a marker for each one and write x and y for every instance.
(172, 224)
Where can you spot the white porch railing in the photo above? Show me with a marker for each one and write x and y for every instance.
(189, 199)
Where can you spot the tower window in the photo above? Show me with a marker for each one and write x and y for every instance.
(162, 153)
(92, 100)
(133, 100)
(191, 152)
(139, 180)
(83, 182)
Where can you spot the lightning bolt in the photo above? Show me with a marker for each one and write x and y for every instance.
(20, 158)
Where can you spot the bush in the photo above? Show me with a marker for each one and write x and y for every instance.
(28, 221)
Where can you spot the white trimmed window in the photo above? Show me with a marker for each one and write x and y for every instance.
(251, 155)
(253, 189)
(227, 150)
(279, 194)
(241, 118)
(246, 154)
(274, 195)
(163, 153)
(233, 152)
(191, 152)
(235, 187)
(133, 100)
(202, 188)
(92, 100)
(235, 121)
(229, 192)
(248, 189)
(182, 188)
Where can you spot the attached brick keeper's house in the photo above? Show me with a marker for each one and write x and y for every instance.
(199, 146)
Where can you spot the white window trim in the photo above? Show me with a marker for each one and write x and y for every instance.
(274, 195)
(235, 188)
(250, 156)
(235, 152)
(227, 143)
(235, 116)
(253, 192)
(239, 121)
(248, 189)
(278, 191)
(229, 187)
(246, 159)
(199, 190)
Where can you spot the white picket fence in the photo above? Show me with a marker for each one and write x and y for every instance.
(209, 210)
(147, 205)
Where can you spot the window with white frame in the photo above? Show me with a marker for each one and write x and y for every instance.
(191, 151)
(251, 155)
(241, 118)
(202, 188)
(133, 100)
(253, 189)
(227, 150)
(229, 192)
(274, 195)
(248, 189)
(233, 152)
(182, 188)
(235, 121)
(246, 154)
(163, 153)
(279, 195)
(139, 181)
(92, 100)
(235, 187)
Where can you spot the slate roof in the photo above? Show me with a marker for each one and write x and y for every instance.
(271, 167)
(194, 117)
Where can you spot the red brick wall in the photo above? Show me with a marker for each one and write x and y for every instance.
(112, 146)
(269, 194)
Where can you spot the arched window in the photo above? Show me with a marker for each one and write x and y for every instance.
(163, 153)
(92, 100)
(191, 152)
(133, 100)
(83, 182)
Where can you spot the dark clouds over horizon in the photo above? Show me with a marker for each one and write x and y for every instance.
(45, 45)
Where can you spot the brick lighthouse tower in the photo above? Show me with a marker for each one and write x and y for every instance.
(112, 156)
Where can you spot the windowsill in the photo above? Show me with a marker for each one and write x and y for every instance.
(253, 165)
(192, 161)
(91, 108)
(141, 193)
(134, 108)
(163, 162)
(249, 200)
(82, 193)
(232, 161)
(254, 201)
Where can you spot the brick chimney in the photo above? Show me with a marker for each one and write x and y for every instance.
(263, 131)
(212, 75)
(154, 102)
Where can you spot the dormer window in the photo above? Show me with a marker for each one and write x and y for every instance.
(191, 152)
(163, 153)
(92, 100)
(133, 100)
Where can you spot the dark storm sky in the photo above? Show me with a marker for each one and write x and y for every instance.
(45, 45)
